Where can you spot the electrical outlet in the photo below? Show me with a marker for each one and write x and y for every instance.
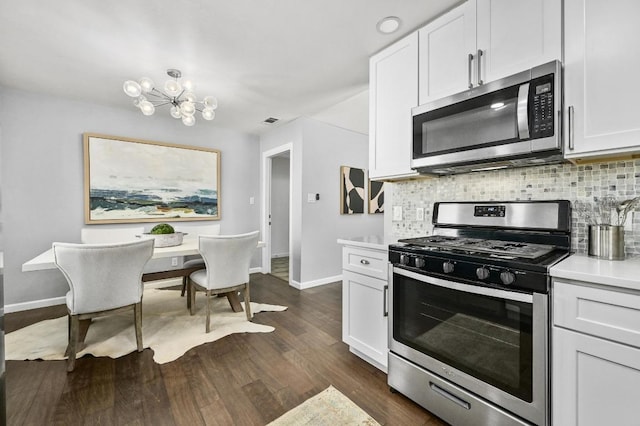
(397, 212)
(174, 261)
(420, 213)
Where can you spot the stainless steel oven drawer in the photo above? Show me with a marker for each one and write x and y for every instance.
(444, 399)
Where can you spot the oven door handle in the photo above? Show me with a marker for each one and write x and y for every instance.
(451, 397)
(484, 291)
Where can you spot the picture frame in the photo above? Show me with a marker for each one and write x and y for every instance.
(376, 197)
(132, 180)
(352, 194)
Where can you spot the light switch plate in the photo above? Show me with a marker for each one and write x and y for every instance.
(397, 212)
(420, 213)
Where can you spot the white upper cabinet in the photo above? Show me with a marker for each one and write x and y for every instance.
(446, 44)
(601, 66)
(393, 91)
(484, 40)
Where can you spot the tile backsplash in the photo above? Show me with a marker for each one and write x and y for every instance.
(589, 183)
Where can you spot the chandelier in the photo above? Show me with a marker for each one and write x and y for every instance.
(180, 96)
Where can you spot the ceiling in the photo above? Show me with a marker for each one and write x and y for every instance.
(260, 58)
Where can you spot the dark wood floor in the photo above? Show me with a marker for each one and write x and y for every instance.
(242, 379)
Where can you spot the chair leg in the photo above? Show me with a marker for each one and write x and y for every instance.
(187, 284)
(192, 297)
(208, 327)
(184, 287)
(74, 330)
(247, 302)
(137, 313)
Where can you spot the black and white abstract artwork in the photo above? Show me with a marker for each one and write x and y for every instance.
(376, 197)
(351, 190)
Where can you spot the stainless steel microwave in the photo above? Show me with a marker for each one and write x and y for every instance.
(515, 121)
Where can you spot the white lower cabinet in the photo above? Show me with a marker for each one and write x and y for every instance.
(364, 304)
(596, 355)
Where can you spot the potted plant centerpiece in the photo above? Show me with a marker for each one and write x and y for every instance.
(165, 235)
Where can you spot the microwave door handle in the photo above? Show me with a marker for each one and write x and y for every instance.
(523, 111)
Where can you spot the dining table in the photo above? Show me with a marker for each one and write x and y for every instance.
(189, 247)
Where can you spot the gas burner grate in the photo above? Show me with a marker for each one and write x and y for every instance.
(478, 245)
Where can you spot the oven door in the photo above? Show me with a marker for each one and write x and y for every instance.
(489, 341)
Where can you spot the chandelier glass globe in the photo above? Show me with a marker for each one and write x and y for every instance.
(180, 96)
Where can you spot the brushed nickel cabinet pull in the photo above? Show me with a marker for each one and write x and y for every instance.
(479, 67)
(470, 60)
(385, 310)
(364, 261)
(571, 124)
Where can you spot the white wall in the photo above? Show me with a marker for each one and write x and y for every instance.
(319, 150)
(42, 175)
(327, 148)
(280, 207)
(350, 114)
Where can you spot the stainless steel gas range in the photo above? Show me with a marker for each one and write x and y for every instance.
(469, 311)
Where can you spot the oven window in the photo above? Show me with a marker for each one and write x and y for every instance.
(487, 337)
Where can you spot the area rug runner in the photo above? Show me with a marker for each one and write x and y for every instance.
(328, 408)
(167, 328)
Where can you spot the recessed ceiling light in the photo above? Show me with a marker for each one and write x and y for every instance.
(388, 25)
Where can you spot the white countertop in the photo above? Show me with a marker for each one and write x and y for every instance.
(618, 273)
(377, 242)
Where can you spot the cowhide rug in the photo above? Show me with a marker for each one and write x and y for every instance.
(167, 328)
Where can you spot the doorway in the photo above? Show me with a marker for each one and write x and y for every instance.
(277, 212)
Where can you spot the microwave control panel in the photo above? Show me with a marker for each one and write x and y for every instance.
(541, 99)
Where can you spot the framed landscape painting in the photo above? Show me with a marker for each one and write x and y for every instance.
(131, 180)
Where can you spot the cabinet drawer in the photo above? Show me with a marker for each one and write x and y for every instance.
(611, 314)
(365, 261)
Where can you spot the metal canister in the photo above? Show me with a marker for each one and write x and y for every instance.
(606, 242)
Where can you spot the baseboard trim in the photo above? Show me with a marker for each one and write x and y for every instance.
(309, 284)
(34, 304)
(278, 255)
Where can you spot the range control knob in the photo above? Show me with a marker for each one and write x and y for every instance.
(420, 262)
(404, 259)
(482, 273)
(507, 277)
(447, 267)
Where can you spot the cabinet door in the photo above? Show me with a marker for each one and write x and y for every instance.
(594, 381)
(393, 91)
(515, 35)
(445, 46)
(601, 73)
(364, 320)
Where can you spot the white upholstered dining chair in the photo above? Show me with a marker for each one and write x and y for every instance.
(227, 259)
(194, 232)
(103, 279)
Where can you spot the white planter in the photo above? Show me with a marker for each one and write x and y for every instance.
(166, 240)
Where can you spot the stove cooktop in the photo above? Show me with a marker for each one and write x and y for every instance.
(502, 249)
